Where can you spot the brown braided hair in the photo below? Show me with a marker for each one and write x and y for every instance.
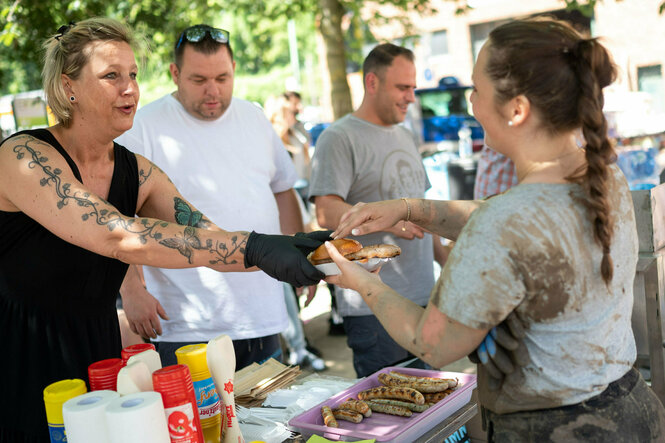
(563, 75)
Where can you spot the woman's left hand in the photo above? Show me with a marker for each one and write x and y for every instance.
(353, 276)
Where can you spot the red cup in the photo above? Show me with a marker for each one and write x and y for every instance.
(103, 374)
(182, 414)
(135, 349)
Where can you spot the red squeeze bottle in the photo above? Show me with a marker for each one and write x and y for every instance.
(182, 414)
(103, 374)
(133, 350)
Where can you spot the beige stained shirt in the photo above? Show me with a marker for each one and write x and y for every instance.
(532, 250)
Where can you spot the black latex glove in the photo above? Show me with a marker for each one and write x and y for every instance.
(502, 351)
(321, 236)
(284, 257)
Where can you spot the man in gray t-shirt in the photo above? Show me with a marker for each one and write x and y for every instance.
(363, 157)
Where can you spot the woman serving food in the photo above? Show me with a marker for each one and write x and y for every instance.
(68, 230)
(559, 250)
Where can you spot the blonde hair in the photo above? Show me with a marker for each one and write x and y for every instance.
(68, 52)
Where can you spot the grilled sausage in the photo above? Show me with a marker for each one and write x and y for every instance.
(348, 415)
(422, 384)
(328, 417)
(389, 409)
(356, 405)
(405, 404)
(416, 378)
(399, 393)
(436, 397)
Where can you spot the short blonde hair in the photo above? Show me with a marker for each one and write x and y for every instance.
(67, 53)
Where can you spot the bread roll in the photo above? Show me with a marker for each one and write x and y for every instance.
(345, 246)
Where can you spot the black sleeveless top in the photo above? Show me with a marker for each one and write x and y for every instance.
(57, 303)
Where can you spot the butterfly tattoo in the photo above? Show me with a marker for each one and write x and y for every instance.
(184, 214)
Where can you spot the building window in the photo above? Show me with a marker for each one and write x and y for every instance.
(480, 33)
(439, 42)
(650, 79)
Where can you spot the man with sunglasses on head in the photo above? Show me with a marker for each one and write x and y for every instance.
(224, 156)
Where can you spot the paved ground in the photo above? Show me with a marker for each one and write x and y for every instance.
(335, 352)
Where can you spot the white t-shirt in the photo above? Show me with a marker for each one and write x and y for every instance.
(229, 169)
(532, 250)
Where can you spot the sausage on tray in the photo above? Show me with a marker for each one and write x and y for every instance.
(422, 384)
(356, 405)
(389, 409)
(452, 382)
(405, 404)
(348, 415)
(436, 397)
(328, 417)
(398, 393)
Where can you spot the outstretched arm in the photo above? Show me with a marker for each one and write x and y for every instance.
(425, 332)
(36, 180)
(442, 217)
(331, 210)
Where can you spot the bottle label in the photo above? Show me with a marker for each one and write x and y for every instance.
(207, 399)
(57, 433)
(180, 420)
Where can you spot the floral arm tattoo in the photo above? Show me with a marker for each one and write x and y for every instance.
(146, 229)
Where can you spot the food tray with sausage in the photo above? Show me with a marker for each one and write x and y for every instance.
(391, 405)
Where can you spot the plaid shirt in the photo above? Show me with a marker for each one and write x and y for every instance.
(495, 174)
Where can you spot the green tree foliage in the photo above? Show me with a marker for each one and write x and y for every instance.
(258, 33)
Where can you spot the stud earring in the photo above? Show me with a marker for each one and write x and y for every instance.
(72, 98)
(510, 122)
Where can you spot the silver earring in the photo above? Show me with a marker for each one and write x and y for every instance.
(510, 122)
(72, 98)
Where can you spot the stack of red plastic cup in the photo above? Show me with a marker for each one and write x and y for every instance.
(182, 415)
(103, 374)
(133, 350)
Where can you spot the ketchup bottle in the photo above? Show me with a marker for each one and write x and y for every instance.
(182, 415)
(133, 350)
(103, 374)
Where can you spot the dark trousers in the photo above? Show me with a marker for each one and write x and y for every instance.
(627, 411)
(372, 347)
(248, 351)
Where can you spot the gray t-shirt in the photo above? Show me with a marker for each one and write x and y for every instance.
(363, 162)
(532, 250)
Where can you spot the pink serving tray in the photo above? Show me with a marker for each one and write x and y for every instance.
(384, 427)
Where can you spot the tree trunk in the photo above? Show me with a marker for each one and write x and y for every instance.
(330, 27)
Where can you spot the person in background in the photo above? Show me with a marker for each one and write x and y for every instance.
(69, 197)
(369, 156)
(495, 174)
(558, 250)
(223, 154)
(295, 99)
(282, 111)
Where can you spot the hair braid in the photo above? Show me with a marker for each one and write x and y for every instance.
(593, 74)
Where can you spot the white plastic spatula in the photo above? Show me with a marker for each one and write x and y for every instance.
(150, 357)
(222, 365)
(133, 378)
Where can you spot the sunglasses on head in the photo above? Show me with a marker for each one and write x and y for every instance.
(197, 33)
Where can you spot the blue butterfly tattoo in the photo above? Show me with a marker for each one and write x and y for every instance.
(184, 214)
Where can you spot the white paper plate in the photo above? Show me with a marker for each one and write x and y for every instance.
(371, 265)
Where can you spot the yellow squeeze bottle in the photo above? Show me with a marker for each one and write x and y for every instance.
(55, 395)
(207, 399)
